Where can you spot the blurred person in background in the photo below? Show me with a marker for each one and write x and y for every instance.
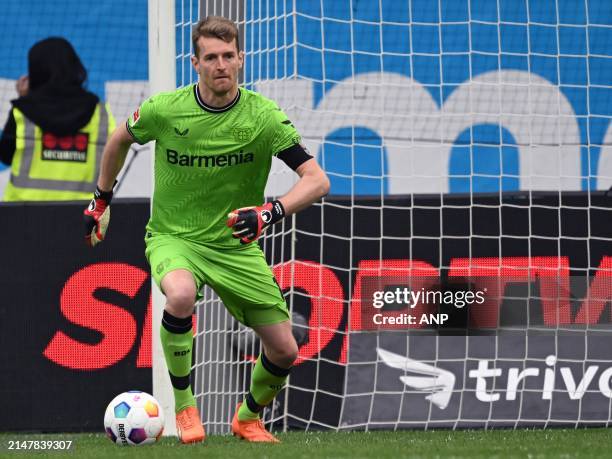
(56, 129)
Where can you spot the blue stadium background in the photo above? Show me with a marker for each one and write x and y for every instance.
(479, 36)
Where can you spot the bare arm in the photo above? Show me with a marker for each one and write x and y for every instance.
(312, 186)
(97, 214)
(113, 157)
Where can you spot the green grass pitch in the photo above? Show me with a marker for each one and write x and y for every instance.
(551, 443)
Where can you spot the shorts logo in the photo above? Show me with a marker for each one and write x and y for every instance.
(242, 134)
(163, 265)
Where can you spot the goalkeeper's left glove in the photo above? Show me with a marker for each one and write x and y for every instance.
(97, 216)
(249, 222)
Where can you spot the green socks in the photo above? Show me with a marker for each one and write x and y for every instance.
(267, 380)
(177, 342)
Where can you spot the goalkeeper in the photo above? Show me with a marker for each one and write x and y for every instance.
(214, 148)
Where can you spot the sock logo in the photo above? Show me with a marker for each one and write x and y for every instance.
(181, 353)
(276, 386)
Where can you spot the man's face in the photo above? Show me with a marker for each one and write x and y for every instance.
(218, 64)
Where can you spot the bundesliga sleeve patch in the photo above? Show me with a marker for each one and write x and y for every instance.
(140, 128)
(135, 116)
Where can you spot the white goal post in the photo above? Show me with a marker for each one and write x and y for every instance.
(162, 77)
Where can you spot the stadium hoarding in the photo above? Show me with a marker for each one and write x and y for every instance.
(537, 354)
(76, 328)
(515, 378)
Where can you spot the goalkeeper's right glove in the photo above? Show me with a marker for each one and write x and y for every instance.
(97, 217)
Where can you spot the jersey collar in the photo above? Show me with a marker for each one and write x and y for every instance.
(210, 108)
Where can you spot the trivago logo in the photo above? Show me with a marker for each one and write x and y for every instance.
(435, 380)
(440, 382)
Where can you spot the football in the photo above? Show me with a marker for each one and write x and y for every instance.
(134, 418)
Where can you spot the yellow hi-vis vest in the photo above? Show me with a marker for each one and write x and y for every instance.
(47, 167)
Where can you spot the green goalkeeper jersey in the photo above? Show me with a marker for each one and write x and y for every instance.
(208, 161)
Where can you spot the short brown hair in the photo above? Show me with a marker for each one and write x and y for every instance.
(215, 27)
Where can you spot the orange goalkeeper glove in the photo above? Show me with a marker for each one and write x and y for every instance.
(97, 217)
(249, 223)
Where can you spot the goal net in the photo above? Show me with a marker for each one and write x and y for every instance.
(468, 146)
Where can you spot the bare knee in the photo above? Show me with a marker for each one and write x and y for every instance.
(278, 342)
(283, 354)
(180, 304)
(180, 290)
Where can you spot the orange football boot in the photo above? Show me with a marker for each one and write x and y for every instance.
(189, 426)
(252, 430)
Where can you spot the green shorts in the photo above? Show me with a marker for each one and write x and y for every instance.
(240, 276)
